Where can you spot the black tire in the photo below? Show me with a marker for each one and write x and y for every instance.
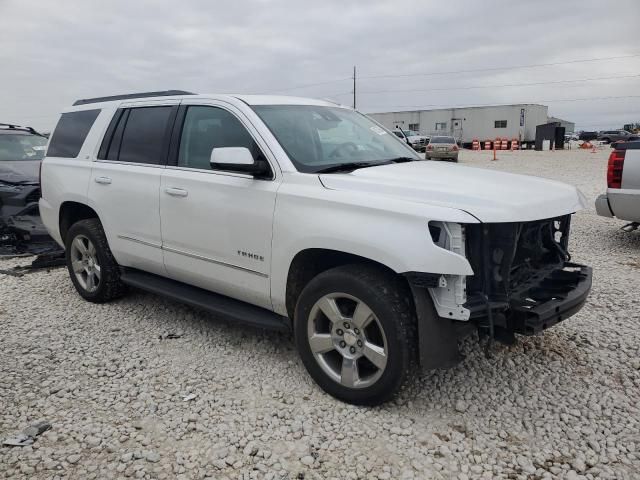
(390, 301)
(427, 158)
(109, 285)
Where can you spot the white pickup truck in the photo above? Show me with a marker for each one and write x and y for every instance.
(301, 215)
(622, 199)
(418, 142)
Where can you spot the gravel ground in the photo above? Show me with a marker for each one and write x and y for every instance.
(226, 401)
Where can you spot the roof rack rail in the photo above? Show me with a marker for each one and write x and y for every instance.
(163, 93)
(12, 126)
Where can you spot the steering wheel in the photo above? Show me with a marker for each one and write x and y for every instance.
(348, 147)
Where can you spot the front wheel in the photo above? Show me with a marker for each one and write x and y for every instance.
(354, 330)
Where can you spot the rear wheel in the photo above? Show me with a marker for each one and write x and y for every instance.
(354, 330)
(93, 270)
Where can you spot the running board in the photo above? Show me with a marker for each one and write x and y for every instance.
(215, 303)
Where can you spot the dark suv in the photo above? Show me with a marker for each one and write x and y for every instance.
(21, 151)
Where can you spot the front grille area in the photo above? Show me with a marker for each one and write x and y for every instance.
(512, 258)
(33, 196)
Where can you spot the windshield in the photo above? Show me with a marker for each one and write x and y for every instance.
(21, 147)
(442, 140)
(316, 137)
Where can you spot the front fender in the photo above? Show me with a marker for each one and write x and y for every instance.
(392, 233)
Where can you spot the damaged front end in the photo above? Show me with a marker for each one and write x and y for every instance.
(523, 282)
(21, 229)
(526, 282)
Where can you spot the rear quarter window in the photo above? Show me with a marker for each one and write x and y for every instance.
(139, 135)
(144, 135)
(71, 132)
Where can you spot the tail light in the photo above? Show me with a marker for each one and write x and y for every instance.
(614, 169)
(455, 148)
(429, 147)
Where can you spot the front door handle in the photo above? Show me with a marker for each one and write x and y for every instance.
(176, 192)
(103, 180)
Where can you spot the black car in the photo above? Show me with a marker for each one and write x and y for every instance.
(21, 151)
(588, 136)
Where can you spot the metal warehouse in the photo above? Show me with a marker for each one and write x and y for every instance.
(468, 123)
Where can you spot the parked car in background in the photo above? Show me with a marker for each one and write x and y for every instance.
(21, 151)
(299, 215)
(630, 138)
(571, 136)
(622, 199)
(610, 136)
(587, 136)
(442, 148)
(418, 142)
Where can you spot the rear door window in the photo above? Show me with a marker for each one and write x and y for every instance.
(71, 132)
(145, 135)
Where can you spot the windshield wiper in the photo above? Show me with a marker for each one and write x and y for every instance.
(401, 159)
(348, 167)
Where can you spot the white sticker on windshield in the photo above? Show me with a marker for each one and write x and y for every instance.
(38, 147)
(378, 130)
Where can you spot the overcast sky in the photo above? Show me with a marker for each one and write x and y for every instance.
(53, 52)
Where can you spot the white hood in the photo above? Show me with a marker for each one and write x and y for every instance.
(488, 195)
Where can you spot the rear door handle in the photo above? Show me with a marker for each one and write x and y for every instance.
(176, 192)
(103, 180)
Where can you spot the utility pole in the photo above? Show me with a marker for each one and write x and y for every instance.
(354, 86)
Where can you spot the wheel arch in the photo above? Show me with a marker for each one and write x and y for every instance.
(310, 262)
(72, 212)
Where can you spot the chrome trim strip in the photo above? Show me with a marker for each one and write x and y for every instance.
(217, 262)
(212, 172)
(193, 255)
(137, 240)
(118, 162)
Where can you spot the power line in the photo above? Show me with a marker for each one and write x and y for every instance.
(417, 107)
(499, 86)
(454, 72)
(488, 69)
(309, 85)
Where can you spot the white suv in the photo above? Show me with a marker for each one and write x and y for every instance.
(299, 214)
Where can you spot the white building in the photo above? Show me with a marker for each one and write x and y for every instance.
(468, 123)
(569, 127)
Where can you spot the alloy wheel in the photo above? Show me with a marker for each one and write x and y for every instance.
(84, 262)
(347, 340)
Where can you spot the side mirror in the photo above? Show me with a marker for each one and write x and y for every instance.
(240, 160)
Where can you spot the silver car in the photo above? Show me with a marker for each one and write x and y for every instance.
(610, 136)
(445, 148)
(622, 199)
